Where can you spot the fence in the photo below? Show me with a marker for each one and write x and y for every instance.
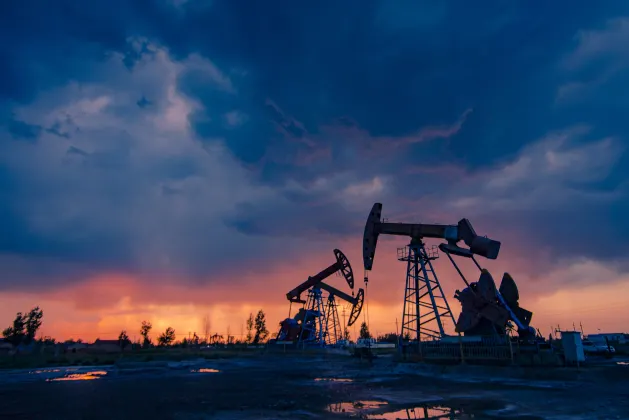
(462, 349)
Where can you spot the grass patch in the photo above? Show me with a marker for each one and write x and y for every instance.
(41, 360)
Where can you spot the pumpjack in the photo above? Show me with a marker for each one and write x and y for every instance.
(425, 305)
(316, 322)
(334, 332)
(486, 310)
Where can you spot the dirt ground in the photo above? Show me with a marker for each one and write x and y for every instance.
(320, 387)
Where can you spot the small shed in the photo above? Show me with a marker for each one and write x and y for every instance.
(572, 347)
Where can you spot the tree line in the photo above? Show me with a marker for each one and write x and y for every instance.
(25, 326)
(257, 333)
(383, 338)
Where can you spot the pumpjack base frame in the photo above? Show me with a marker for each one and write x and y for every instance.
(426, 308)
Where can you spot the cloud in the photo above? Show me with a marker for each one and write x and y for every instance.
(328, 207)
(348, 132)
(368, 189)
(555, 197)
(546, 175)
(235, 118)
(596, 44)
(120, 187)
(601, 57)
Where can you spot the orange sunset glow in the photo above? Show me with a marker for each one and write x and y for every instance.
(102, 306)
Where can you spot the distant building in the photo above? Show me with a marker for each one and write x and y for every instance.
(613, 338)
(76, 347)
(108, 346)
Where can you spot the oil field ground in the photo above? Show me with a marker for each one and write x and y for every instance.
(313, 387)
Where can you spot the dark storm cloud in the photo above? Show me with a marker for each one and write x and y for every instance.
(330, 107)
(21, 130)
(305, 220)
(355, 59)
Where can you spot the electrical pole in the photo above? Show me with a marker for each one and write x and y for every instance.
(344, 325)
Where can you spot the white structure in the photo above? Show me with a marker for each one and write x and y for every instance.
(572, 347)
(619, 338)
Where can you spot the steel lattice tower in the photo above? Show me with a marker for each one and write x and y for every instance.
(333, 322)
(424, 302)
(313, 329)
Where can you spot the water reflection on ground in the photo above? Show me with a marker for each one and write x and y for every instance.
(422, 412)
(355, 406)
(333, 380)
(40, 371)
(84, 376)
(205, 370)
(376, 410)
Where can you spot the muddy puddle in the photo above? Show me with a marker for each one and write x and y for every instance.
(383, 410)
(355, 406)
(422, 412)
(380, 410)
(44, 371)
(333, 380)
(83, 376)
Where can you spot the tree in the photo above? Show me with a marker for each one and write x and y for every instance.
(364, 331)
(388, 338)
(144, 332)
(33, 323)
(250, 323)
(16, 333)
(346, 335)
(46, 340)
(123, 340)
(229, 335)
(207, 327)
(25, 327)
(167, 337)
(260, 325)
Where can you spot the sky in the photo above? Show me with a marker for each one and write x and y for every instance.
(168, 160)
